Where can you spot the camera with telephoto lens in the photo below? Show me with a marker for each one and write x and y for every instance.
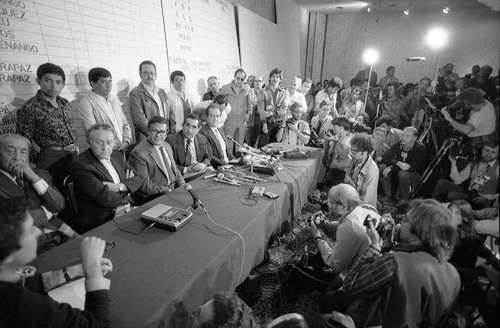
(383, 225)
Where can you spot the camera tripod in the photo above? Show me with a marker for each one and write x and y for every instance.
(429, 133)
(432, 166)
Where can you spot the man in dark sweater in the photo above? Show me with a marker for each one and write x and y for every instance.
(403, 165)
(23, 298)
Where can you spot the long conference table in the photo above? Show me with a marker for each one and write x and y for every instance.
(157, 268)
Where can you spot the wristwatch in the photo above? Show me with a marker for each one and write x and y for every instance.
(122, 187)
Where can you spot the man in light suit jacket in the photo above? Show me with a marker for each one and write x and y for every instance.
(148, 100)
(99, 106)
(217, 140)
(103, 181)
(19, 180)
(153, 160)
(190, 148)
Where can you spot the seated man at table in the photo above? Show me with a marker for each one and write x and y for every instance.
(153, 160)
(402, 166)
(190, 149)
(224, 310)
(18, 179)
(217, 140)
(295, 132)
(102, 180)
(24, 301)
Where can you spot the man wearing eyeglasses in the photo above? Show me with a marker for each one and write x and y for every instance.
(153, 159)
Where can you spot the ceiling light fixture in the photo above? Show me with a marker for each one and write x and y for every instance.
(406, 12)
(446, 10)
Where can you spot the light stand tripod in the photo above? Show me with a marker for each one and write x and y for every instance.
(434, 163)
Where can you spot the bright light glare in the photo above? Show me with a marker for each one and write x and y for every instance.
(437, 38)
(370, 56)
(406, 12)
(446, 10)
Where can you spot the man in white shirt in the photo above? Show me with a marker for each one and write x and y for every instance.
(482, 117)
(147, 100)
(329, 94)
(179, 103)
(99, 106)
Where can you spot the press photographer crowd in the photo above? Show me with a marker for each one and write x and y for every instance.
(413, 177)
(409, 197)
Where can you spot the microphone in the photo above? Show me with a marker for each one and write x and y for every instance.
(236, 142)
(415, 59)
(196, 200)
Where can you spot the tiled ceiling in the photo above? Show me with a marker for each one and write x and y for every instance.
(355, 6)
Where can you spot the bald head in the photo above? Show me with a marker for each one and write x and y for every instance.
(344, 194)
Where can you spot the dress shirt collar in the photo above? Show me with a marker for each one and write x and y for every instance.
(152, 90)
(10, 176)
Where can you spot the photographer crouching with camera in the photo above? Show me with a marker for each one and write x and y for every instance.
(413, 286)
(482, 118)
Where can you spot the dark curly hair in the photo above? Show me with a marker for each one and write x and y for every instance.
(230, 312)
(362, 141)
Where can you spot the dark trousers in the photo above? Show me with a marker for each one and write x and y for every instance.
(254, 132)
(270, 136)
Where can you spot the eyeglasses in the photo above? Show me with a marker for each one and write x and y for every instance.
(259, 81)
(156, 132)
(240, 78)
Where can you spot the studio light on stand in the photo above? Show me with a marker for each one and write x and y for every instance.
(437, 39)
(370, 57)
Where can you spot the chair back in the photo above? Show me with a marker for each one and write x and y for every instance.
(70, 192)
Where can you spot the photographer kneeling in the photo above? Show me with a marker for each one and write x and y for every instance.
(482, 118)
(414, 286)
(351, 238)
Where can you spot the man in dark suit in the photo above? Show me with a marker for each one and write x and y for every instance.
(103, 181)
(402, 166)
(190, 149)
(19, 180)
(153, 160)
(217, 140)
(147, 100)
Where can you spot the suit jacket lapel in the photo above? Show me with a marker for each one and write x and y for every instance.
(118, 167)
(216, 141)
(99, 166)
(156, 158)
(9, 187)
(197, 147)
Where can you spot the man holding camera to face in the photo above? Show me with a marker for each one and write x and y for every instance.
(482, 117)
(414, 285)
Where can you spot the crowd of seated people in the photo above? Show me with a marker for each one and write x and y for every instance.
(374, 153)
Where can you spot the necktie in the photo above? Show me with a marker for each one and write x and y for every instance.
(188, 153)
(167, 163)
(481, 171)
(20, 183)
